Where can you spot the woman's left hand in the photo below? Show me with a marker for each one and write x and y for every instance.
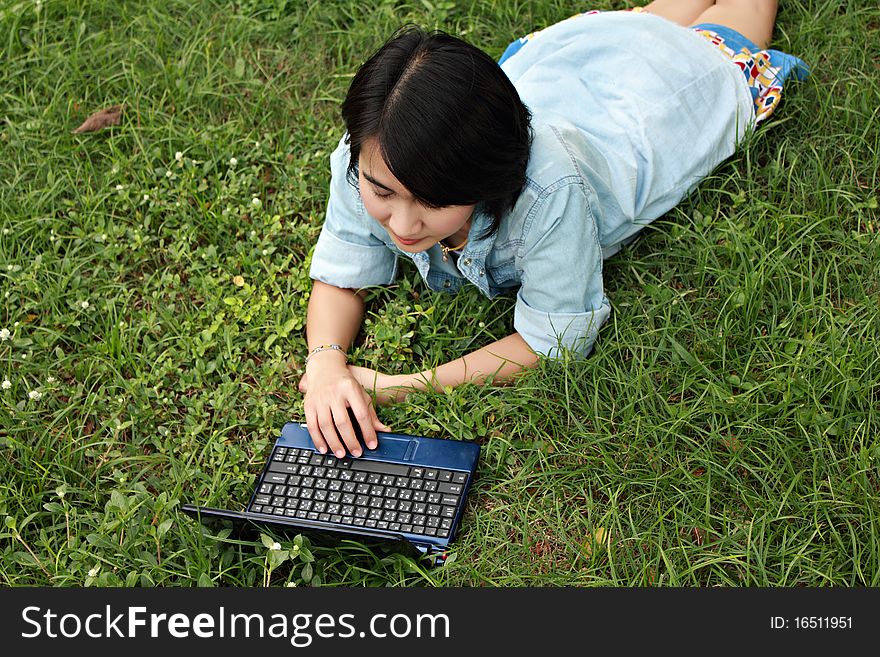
(387, 388)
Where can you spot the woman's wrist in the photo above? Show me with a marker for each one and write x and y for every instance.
(326, 359)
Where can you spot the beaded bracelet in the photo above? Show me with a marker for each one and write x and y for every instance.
(326, 347)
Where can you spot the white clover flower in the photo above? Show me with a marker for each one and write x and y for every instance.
(168, 173)
(265, 251)
(119, 188)
(253, 233)
(84, 305)
(93, 572)
(256, 144)
(146, 197)
(291, 585)
(6, 385)
(9, 267)
(6, 231)
(256, 202)
(178, 156)
(232, 161)
(4, 334)
(275, 546)
(51, 379)
(36, 395)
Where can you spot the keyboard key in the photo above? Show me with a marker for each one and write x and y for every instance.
(275, 478)
(459, 478)
(417, 472)
(387, 480)
(262, 499)
(455, 489)
(448, 512)
(317, 459)
(430, 486)
(430, 473)
(266, 489)
(444, 475)
(380, 468)
(450, 499)
(287, 468)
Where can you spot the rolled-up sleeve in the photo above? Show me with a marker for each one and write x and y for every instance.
(561, 303)
(348, 254)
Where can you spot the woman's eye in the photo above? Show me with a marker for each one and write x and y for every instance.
(382, 194)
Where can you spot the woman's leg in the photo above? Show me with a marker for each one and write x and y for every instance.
(683, 12)
(754, 19)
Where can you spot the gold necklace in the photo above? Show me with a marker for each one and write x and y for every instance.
(447, 249)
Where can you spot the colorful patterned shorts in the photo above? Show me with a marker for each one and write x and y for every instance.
(765, 71)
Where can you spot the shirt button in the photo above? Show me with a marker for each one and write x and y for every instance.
(447, 283)
(482, 272)
(467, 262)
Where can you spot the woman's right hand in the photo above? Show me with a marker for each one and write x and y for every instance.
(330, 391)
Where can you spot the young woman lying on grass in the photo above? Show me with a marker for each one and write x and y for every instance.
(523, 176)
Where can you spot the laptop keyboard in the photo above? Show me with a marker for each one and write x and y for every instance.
(301, 483)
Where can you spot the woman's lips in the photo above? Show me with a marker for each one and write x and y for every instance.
(405, 242)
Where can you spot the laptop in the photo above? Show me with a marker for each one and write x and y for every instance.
(407, 495)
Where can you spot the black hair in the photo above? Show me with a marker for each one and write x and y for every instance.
(449, 123)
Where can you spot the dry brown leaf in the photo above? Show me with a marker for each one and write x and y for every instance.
(599, 540)
(101, 119)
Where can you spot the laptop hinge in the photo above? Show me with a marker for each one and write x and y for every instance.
(429, 549)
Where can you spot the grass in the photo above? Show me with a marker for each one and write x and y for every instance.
(724, 432)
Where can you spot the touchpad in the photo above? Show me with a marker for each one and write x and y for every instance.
(393, 447)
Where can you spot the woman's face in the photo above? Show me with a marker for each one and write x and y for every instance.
(413, 226)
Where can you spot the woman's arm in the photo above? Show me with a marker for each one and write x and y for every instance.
(502, 360)
(334, 317)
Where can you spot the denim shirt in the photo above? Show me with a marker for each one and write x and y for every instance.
(630, 112)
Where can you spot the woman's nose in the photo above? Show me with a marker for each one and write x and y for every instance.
(404, 222)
